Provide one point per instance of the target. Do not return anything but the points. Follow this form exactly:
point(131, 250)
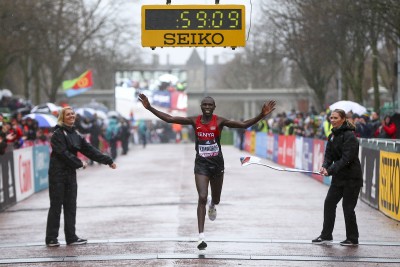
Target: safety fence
point(380, 161)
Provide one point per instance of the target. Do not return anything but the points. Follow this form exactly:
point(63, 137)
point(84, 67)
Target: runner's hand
point(145, 101)
point(268, 107)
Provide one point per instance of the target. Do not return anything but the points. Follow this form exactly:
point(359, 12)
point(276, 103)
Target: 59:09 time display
point(193, 19)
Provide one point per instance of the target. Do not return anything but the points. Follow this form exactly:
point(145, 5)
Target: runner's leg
point(202, 190)
point(216, 187)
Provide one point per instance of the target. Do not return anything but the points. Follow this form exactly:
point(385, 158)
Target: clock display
point(193, 26)
point(193, 19)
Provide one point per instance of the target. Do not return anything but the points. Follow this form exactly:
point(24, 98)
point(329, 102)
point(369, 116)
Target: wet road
point(144, 214)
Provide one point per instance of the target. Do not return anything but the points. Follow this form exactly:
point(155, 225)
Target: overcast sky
point(179, 55)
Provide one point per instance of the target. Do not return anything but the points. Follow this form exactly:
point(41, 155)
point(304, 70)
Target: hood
point(345, 127)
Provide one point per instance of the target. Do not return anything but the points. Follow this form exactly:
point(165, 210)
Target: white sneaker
point(212, 211)
point(201, 244)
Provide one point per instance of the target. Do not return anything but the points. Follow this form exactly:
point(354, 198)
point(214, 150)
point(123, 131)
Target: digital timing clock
point(193, 25)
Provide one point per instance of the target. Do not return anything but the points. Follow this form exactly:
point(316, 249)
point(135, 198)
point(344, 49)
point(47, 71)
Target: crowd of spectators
point(317, 125)
point(18, 132)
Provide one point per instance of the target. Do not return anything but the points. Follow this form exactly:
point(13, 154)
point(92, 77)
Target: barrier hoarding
point(275, 154)
point(7, 180)
point(23, 169)
point(307, 159)
point(287, 150)
point(370, 164)
point(299, 154)
point(261, 145)
point(270, 146)
point(389, 184)
point(318, 157)
point(41, 160)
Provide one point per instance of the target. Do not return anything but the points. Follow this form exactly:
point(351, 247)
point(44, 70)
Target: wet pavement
point(144, 214)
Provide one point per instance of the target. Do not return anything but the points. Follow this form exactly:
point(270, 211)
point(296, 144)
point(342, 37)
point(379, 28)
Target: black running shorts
point(209, 166)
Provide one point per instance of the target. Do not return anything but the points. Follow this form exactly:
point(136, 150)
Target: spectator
point(363, 130)
point(125, 133)
point(374, 123)
point(30, 129)
point(142, 128)
point(327, 126)
point(16, 134)
point(387, 129)
point(112, 136)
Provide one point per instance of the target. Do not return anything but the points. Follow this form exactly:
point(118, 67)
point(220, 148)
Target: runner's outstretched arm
point(162, 115)
point(267, 108)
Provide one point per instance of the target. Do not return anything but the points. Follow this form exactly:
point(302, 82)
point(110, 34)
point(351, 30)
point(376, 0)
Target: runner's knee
point(203, 199)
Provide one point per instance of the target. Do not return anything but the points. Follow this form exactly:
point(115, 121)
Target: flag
point(79, 85)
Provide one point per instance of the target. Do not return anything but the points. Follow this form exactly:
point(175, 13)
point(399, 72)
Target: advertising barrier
point(318, 157)
point(306, 156)
point(261, 148)
point(271, 146)
point(7, 184)
point(370, 164)
point(389, 184)
point(23, 170)
point(298, 159)
point(41, 159)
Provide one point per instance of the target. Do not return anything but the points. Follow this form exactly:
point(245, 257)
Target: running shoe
point(319, 241)
point(349, 243)
point(53, 243)
point(78, 241)
point(201, 244)
point(212, 211)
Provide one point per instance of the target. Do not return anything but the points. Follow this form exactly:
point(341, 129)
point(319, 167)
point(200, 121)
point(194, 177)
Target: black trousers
point(350, 197)
point(62, 195)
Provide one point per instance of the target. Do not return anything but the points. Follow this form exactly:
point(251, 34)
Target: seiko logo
point(193, 38)
point(201, 134)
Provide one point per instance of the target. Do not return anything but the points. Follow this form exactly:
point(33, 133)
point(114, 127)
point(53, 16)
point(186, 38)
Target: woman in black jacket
point(66, 142)
point(341, 161)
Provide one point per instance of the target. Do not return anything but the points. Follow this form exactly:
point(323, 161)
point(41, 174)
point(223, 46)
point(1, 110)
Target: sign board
point(193, 26)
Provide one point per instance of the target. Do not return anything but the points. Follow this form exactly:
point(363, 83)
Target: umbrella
point(101, 114)
point(47, 108)
point(44, 120)
point(168, 78)
point(348, 106)
point(113, 113)
point(86, 112)
point(97, 106)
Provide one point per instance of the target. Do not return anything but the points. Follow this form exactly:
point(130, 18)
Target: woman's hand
point(113, 166)
point(145, 101)
point(268, 107)
point(84, 163)
point(323, 171)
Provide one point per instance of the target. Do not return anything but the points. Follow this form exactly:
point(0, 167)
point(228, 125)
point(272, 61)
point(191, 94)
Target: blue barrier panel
point(276, 150)
point(299, 153)
point(41, 160)
point(7, 180)
point(307, 159)
point(261, 145)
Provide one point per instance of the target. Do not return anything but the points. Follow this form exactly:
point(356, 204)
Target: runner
point(209, 162)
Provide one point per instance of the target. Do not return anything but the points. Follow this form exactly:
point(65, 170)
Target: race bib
point(208, 150)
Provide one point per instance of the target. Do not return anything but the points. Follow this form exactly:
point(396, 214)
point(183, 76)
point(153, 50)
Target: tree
point(55, 40)
point(301, 31)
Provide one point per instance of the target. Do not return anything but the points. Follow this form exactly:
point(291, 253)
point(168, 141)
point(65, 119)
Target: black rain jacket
point(341, 157)
point(65, 143)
